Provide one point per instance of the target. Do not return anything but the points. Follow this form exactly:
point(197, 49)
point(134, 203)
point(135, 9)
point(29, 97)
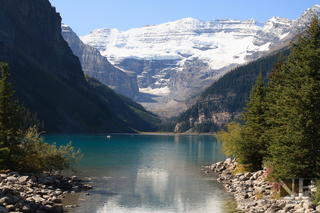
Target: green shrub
point(38, 156)
point(316, 195)
point(230, 139)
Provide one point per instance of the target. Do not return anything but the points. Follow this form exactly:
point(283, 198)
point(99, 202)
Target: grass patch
point(240, 168)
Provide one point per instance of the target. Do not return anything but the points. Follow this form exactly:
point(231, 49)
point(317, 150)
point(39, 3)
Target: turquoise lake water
point(134, 173)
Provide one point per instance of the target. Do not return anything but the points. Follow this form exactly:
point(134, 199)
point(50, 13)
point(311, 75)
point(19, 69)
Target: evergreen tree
point(10, 114)
point(253, 146)
point(295, 117)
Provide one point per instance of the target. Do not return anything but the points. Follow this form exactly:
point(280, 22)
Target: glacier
point(213, 41)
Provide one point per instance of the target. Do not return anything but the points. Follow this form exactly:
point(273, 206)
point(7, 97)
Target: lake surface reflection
point(148, 173)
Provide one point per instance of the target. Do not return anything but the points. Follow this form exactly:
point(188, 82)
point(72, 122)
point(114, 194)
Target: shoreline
point(255, 195)
point(172, 133)
point(37, 192)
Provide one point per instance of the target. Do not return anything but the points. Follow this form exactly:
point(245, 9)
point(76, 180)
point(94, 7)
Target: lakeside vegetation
point(23, 149)
point(282, 117)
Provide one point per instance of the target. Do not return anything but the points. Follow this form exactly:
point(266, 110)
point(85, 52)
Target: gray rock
point(242, 178)
point(47, 208)
point(10, 208)
point(288, 207)
point(34, 178)
point(12, 179)
point(23, 179)
point(262, 202)
point(220, 169)
point(228, 161)
point(219, 163)
point(8, 190)
point(299, 206)
point(3, 210)
point(38, 199)
point(6, 199)
point(273, 209)
point(213, 166)
point(3, 176)
point(226, 172)
point(288, 198)
point(308, 205)
point(257, 210)
point(19, 205)
point(56, 200)
point(65, 185)
point(16, 198)
point(248, 174)
point(26, 208)
point(309, 211)
point(57, 208)
point(256, 183)
point(259, 190)
point(247, 202)
point(299, 211)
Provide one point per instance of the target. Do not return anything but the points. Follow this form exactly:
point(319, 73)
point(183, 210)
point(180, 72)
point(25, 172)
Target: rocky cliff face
point(32, 29)
point(97, 66)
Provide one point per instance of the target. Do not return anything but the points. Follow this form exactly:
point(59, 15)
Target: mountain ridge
point(176, 60)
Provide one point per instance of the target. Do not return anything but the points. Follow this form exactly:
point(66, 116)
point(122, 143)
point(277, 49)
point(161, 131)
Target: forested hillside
point(131, 113)
point(225, 98)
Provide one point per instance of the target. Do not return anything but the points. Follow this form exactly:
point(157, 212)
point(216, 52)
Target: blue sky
point(83, 16)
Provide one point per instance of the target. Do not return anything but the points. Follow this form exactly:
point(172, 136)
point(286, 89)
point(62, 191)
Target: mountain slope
point(48, 77)
point(134, 115)
point(99, 67)
point(226, 98)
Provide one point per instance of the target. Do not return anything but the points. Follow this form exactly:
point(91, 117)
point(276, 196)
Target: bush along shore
point(255, 194)
point(36, 192)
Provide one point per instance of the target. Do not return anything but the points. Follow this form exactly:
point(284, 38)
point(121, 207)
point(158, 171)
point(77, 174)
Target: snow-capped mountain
point(183, 39)
point(277, 30)
point(177, 59)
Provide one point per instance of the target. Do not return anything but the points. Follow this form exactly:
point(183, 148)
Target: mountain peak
point(315, 7)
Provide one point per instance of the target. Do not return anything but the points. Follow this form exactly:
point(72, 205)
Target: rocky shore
point(38, 193)
point(254, 194)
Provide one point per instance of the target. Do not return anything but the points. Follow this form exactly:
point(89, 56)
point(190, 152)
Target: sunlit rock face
point(98, 66)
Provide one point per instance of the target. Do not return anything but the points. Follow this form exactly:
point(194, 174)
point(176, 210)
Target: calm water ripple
point(148, 173)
